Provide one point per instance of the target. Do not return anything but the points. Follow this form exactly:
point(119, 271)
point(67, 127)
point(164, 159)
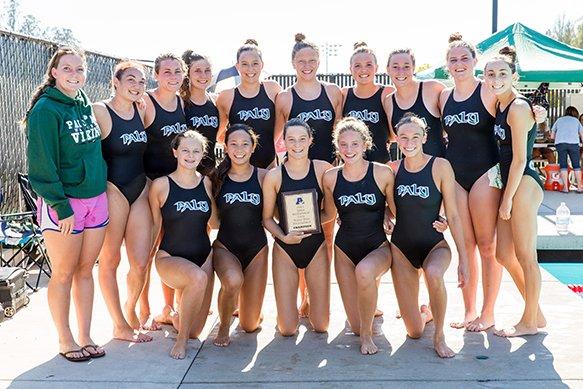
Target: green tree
point(567, 32)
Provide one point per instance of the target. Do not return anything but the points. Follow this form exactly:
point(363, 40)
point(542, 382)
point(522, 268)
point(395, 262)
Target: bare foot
point(179, 349)
point(541, 321)
point(481, 323)
point(165, 316)
point(378, 313)
point(304, 309)
point(131, 317)
point(442, 349)
point(367, 346)
point(518, 330)
point(130, 335)
point(426, 313)
point(149, 324)
point(222, 339)
point(468, 318)
point(175, 320)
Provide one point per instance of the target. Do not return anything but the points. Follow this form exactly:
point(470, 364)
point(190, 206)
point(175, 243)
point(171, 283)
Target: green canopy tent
point(539, 58)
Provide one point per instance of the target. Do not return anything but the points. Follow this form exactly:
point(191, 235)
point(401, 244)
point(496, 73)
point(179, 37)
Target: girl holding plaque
point(422, 184)
point(240, 250)
point(359, 191)
point(182, 209)
point(293, 188)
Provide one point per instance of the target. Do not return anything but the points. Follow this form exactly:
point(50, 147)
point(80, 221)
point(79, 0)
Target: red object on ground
point(553, 181)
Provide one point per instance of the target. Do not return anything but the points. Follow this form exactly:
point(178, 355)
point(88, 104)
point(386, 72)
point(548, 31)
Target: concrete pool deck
point(553, 358)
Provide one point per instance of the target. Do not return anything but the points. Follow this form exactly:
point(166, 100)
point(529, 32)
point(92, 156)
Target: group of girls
point(140, 167)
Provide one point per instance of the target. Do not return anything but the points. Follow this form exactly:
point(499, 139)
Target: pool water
point(567, 273)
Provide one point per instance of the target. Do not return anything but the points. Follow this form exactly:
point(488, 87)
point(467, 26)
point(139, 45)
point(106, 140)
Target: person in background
point(567, 132)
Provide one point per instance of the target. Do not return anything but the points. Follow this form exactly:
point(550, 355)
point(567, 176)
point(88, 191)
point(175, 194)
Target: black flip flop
point(82, 358)
point(94, 354)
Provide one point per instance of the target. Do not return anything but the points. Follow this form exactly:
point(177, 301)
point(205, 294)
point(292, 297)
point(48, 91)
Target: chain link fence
point(24, 61)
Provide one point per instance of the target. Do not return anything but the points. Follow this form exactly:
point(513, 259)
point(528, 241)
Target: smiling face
point(239, 147)
point(410, 137)
point(70, 74)
point(249, 66)
point(132, 84)
point(189, 153)
point(498, 76)
point(305, 63)
point(351, 146)
point(170, 75)
point(363, 68)
point(297, 142)
point(461, 63)
point(401, 68)
point(200, 74)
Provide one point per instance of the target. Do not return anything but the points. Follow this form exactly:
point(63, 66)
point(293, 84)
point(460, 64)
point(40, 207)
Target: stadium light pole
point(330, 50)
point(494, 16)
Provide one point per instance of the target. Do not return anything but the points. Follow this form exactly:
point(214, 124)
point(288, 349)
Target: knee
point(364, 275)
point(503, 259)
point(140, 267)
point(62, 276)
point(287, 330)
point(197, 278)
point(232, 282)
point(415, 333)
point(249, 326)
point(85, 270)
point(434, 275)
point(320, 325)
point(487, 247)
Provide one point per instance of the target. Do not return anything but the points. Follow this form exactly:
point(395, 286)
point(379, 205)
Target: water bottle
point(562, 219)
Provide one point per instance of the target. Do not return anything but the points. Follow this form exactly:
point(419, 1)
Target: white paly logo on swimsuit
point(206, 120)
point(255, 113)
point(413, 190)
point(463, 117)
point(365, 115)
point(358, 198)
point(500, 132)
point(317, 114)
point(192, 205)
point(134, 137)
point(243, 197)
point(173, 129)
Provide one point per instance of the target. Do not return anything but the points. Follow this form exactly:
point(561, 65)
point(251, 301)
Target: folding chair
point(20, 234)
point(27, 194)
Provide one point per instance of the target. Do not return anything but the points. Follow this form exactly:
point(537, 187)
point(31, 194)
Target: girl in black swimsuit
point(240, 250)
point(421, 183)
point(359, 191)
point(294, 251)
point(123, 146)
point(182, 203)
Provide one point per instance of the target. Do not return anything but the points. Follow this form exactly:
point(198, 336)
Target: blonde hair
point(411, 118)
point(352, 124)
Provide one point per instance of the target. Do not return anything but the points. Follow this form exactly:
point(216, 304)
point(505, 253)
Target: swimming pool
point(570, 274)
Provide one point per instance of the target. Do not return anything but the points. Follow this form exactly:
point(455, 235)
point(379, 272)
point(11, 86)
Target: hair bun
point(186, 55)
point(456, 36)
point(300, 37)
point(509, 51)
point(359, 44)
point(251, 42)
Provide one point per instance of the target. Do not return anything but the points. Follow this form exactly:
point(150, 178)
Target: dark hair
point(167, 56)
point(190, 134)
point(121, 67)
point(407, 51)
point(249, 45)
point(456, 40)
point(189, 57)
point(362, 47)
point(508, 55)
point(220, 173)
point(410, 117)
point(301, 43)
point(293, 122)
point(48, 79)
point(571, 111)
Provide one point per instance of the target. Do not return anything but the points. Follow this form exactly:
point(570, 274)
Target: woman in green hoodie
point(67, 171)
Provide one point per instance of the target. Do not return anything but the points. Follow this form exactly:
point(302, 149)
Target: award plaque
point(301, 212)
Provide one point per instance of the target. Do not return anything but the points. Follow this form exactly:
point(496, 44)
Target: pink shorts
point(89, 213)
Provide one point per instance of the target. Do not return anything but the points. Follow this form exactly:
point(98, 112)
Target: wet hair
point(456, 40)
point(301, 43)
point(411, 118)
point(249, 45)
point(167, 56)
point(571, 111)
point(407, 51)
point(508, 55)
point(190, 134)
point(48, 79)
point(352, 124)
point(221, 172)
point(122, 67)
point(297, 122)
point(189, 57)
point(360, 48)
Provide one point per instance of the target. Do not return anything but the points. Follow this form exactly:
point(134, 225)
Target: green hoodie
point(64, 150)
